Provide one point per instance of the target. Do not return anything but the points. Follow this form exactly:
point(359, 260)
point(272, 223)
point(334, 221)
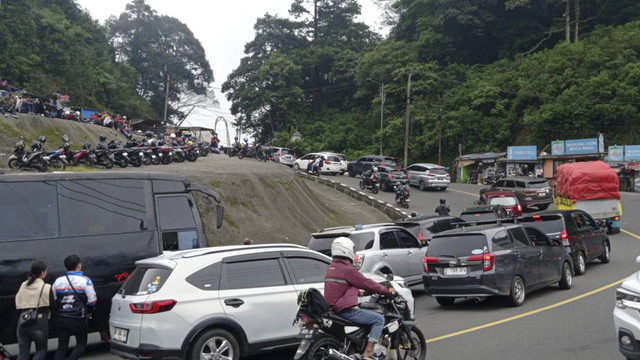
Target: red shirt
point(343, 282)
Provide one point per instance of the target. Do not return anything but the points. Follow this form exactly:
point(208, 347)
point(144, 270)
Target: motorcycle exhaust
point(336, 355)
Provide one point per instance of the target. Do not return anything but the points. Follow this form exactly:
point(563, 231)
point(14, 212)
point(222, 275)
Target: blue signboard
point(631, 152)
point(522, 152)
point(615, 153)
point(557, 147)
point(581, 146)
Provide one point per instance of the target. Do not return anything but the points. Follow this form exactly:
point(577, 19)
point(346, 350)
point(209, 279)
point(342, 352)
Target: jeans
point(39, 334)
point(366, 317)
point(5, 110)
point(67, 327)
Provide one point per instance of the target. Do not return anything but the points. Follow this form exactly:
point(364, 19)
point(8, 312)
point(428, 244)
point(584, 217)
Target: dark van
point(109, 219)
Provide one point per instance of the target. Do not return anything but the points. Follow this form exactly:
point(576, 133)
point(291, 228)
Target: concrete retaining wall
point(386, 208)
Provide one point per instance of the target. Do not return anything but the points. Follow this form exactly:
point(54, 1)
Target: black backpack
point(312, 304)
point(320, 164)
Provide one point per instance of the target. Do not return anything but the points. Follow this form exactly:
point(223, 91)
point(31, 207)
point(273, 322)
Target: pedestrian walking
point(32, 301)
point(75, 299)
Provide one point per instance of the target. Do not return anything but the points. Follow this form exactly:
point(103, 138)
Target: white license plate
point(120, 335)
point(159, 154)
point(306, 333)
point(141, 153)
point(124, 154)
point(455, 271)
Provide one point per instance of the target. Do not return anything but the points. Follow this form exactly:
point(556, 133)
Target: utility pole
point(407, 116)
point(166, 100)
point(440, 137)
point(381, 109)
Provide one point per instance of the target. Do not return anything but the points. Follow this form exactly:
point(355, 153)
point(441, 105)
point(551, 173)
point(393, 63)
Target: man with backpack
point(343, 284)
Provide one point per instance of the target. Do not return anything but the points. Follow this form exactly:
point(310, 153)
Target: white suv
point(213, 303)
point(626, 316)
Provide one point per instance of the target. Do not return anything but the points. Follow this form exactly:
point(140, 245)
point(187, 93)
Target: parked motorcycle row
point(244, 150)
point(135, 152)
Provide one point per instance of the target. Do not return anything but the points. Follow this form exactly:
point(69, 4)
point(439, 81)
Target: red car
point(507, 199)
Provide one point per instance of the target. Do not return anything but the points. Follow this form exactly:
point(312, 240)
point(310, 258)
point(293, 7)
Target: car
point(111, 219)
point(283, 155)
point(508, 260)
point(583, 238)
point(332, 163)
point(482, 214)
point(428, 176)
point(626, 316)
point(424, 227)
point(218, 303)
point(386, 247)
point(390, 177)
point(530, 191)
point(507, 199)
point(365, 163)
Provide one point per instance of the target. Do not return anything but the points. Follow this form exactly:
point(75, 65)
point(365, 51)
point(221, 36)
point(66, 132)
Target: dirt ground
point(264, 202)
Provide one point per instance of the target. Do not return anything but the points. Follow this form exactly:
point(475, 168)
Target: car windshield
point(548, 224)
point(506, 201)
point(455, 245)
point(478, 216)
point(538, 184)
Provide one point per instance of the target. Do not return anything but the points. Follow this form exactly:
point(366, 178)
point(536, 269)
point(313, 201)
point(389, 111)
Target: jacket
point(27, 296)
point(343, 282)
point(67, 303)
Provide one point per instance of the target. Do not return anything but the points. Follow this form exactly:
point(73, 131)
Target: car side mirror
point(220, 215)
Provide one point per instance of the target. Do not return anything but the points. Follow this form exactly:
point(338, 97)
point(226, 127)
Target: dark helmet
point(65, 138)
point(148, 134)
point(129, 136)
point(102, 137)
point(42, 139)
point(443, 201)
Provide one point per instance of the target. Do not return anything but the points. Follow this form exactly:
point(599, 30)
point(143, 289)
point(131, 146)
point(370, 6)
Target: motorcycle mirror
point(65, 138)
point(220, 215)
point(206, 200)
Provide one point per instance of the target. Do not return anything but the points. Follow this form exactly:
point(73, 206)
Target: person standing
point(75, 300)
point(34, 294)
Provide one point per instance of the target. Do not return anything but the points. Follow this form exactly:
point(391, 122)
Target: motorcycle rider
point(443, 209)
point(402, 192)
point(315, 164)
point(344, 283)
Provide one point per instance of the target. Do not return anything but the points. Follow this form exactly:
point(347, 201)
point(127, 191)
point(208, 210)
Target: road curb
point(386, 208)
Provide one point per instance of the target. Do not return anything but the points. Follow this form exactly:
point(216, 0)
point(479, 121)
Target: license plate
point(159, 154)
point(141, 153)
point(120, 335)
point(306, 333)
point(455, 271)
point(124, 154)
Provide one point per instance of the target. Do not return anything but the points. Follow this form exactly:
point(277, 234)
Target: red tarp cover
point(589, 180)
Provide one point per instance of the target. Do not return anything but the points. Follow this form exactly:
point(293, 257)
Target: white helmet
point(343, 247)
point(374, 168)
point(173, 136)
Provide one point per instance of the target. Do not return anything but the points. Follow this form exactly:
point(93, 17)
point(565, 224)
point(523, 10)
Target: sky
point(223, 28)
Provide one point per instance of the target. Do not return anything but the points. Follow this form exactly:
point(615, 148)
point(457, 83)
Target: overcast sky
point(223, 28)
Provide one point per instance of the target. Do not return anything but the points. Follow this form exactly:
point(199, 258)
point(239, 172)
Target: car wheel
point(445, 301)
point(567, 277)
point(443, 189)
point(351, 173)
point(296, 167)
point(518, 292)
point(341, 172)
point(215, 344)
point(581, 264)
point(543, 207)
point(606, 256)
point(321, 346)
point(421, 185)
point(384, 187)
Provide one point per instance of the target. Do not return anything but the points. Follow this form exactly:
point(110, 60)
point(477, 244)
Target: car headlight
point(627, 299)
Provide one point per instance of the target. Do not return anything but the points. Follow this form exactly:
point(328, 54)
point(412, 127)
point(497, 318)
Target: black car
point(366, 162)
point(583, 238)
point(390, 177)
point(484, 214)
point(494, 260)
point(530, 191)
point(424, 227)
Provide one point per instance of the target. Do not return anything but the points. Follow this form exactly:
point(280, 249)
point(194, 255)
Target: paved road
point(552, 324)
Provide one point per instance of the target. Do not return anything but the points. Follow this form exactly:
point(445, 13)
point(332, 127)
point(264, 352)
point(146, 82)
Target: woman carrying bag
point(32, 301)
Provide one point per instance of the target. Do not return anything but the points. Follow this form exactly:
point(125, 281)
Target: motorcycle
point(57, 159)
point(121, 155)
point(20, 159)
point(328, 336)
point(492, 179)
point(84, 156)
point(368, 183)
point(402, 195)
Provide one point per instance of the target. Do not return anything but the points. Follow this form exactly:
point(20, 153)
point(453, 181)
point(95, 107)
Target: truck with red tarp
point(591, 186)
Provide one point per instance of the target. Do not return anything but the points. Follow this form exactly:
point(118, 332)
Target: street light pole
point(381, 109)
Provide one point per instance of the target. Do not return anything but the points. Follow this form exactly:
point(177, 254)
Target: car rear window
point(538, 184)
point(438, 171)
point(333, 158)
point(362, 241)
point(457, 245)
point(145, 280)
point(546, 223)
point(506, 201)
point(478, 216)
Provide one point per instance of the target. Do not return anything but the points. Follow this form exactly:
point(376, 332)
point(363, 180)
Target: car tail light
point(281, 154)
point(564, 236)
point(519, 207)
point(390, 176)
point(429, 260)
point(420, 235)
point(358, 261)
point(530, 191)
point(327, 162)
point(295, 156)
point(152, 307)
point(408, 176)
point(488, 259)
point(430, 174)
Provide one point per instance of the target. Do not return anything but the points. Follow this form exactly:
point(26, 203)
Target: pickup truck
point(590, 186)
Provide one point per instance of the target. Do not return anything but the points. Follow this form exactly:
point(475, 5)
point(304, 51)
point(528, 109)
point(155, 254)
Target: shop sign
point(557, 147)
point(581, 146)
point(616, 153)
point(522, 152)
point(631, 152)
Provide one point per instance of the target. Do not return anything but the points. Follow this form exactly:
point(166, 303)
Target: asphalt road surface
point(552, 324)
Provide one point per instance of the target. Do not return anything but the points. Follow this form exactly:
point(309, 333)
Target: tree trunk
point(577, 11)
point(567, 21)
point(406, 126)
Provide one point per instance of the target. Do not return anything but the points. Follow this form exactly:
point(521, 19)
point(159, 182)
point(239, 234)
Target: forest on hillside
point(475, 75)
